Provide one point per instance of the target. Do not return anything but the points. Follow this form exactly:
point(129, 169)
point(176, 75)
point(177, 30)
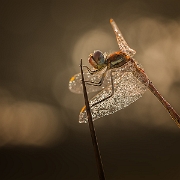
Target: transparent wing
point(75, 83)
point(123, 46)
point(128, 87)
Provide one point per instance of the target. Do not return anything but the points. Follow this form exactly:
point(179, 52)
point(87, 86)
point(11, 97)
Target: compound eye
point(98, 57)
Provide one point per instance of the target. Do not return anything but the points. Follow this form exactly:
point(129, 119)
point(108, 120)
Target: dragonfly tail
point(166, 105)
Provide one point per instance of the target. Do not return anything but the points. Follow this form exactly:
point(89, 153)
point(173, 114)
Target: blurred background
point(41, 44)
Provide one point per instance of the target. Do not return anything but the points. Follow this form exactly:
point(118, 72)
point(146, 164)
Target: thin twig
point(92, 131)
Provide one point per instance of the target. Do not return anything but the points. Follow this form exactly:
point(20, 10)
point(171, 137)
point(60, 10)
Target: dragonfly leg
point(96, 83)
point(89, 70)
point(112, 93)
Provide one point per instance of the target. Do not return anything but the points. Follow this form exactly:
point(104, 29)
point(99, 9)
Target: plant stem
point(92, 131)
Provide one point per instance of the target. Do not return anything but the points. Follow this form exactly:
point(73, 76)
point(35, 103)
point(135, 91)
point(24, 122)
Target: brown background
point(41, 44)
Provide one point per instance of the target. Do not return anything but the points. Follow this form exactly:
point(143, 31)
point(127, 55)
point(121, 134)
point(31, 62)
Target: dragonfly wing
point(123, 46)
point(75, 83)
point(127, 89)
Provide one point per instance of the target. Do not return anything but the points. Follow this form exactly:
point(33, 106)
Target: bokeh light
point(29, 123)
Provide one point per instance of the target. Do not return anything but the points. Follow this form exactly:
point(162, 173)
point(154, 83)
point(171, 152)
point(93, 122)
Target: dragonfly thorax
point(97, 60)
point(117, 59)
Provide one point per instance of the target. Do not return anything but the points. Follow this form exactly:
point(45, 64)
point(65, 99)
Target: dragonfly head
point(97, 60)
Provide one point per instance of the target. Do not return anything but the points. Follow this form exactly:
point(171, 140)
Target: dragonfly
point(119, 79)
